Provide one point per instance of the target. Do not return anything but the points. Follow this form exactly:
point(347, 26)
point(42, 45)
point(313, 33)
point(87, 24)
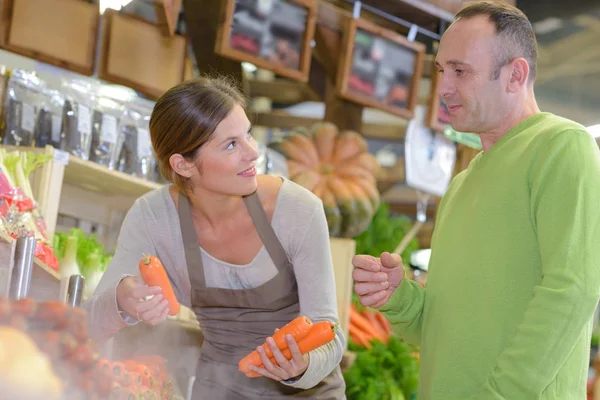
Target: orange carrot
point(383, 321)
point(359, 336)
point(320, 334)
point(298, 328)
point(371, 317)
point(154, 274)
point(363, 324)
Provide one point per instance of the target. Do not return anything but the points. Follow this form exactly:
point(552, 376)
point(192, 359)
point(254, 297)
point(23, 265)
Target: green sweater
point(514, 274)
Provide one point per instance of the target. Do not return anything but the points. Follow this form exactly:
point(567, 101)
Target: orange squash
point(337, 167)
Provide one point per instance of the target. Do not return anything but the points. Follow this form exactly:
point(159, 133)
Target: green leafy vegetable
point(386, 372)
point(91, 255)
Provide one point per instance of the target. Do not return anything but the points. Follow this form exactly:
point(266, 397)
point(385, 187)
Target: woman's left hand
point(286, 369)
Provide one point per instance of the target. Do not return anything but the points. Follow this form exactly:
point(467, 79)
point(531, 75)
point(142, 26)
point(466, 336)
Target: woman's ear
point(181, 166)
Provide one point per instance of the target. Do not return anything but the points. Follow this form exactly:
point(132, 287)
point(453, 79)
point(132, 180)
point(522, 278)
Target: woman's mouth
point(453, 108)
point(248, 173)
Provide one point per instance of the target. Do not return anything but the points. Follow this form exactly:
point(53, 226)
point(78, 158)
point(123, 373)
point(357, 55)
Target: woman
point(247, 253)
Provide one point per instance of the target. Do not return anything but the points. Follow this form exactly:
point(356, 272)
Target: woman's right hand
point(131, 299)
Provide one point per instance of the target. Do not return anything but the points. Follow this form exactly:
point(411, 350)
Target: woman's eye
point(231, 145)
point(459, 71)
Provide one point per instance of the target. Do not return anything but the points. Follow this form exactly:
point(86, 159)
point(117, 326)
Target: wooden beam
point(167, 13)
point(202, 20)
point(282, 120)
point(282, 91)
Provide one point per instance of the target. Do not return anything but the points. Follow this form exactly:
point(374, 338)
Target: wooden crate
point(136, 54)
point(342, 251)
point(59, 32)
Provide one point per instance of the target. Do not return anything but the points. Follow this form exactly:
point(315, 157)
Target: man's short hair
point(513, 28)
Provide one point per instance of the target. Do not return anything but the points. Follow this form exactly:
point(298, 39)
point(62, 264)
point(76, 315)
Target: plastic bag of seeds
point(105, 133)
point(22, 96)
point(76, 133)
point(48, 128)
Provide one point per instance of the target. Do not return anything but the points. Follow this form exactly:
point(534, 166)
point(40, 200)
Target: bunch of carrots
point(307, 334)
point(367, 325)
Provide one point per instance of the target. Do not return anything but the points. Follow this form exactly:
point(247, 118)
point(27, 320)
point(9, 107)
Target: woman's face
point(226, 163)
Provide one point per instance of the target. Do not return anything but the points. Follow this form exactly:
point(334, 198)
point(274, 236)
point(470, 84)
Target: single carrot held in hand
point(154, 274)
point(298, 328)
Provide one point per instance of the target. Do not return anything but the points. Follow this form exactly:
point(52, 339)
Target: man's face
point(465, 62)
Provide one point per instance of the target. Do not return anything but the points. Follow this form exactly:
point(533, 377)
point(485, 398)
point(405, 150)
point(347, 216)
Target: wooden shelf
point(54, 274)
point(91, 176)
point(98, 178)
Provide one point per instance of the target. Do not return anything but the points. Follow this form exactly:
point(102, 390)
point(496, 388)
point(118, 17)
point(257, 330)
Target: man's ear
point(181, 166)
point(519, 74)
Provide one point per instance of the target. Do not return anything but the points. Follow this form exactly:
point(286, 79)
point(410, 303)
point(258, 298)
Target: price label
point(377, 49)
point(56, 128)
point(84, 120)
point(61, 157)
point(264, 6)
point(144, 145)
point(27, 118)
point(109, 129)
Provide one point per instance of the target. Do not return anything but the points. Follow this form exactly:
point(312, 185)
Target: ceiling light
point(114, 4)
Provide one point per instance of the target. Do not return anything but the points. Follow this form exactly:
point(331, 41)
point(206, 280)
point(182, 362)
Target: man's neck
point(527, 109)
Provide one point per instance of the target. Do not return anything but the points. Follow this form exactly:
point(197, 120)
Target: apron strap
point(265, 231)
point(193, 257)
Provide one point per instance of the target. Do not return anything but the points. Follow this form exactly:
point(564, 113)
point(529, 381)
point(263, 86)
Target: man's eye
point(459, 71)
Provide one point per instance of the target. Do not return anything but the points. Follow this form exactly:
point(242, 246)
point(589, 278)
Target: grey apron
point(235, 322)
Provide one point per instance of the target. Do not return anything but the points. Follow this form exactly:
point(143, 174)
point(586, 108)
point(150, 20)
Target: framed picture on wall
point(437, 115)
point(272, 34)
point(380, 68)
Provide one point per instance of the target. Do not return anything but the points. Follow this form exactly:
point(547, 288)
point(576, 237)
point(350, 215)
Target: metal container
point(22, 268)
point(75, 290)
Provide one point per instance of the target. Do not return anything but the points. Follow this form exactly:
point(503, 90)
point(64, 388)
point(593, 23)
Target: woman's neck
point(215, 209)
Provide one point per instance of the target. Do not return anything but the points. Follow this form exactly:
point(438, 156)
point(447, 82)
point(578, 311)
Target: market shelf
point(98, 178)
point(95, 177)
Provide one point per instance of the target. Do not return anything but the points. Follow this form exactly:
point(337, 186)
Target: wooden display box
point(58, 32)
point(342, 251)
point(275, 35)
point(136, 54)
point(437, 112)
point(379, 68)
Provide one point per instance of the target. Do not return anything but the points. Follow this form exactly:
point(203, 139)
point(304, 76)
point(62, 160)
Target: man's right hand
point(376, 279)
point(131, 298)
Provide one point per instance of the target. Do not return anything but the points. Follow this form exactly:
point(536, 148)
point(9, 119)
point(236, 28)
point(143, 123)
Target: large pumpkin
point(338, 168)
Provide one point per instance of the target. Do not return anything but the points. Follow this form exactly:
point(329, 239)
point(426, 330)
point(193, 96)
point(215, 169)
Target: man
point(514, 274)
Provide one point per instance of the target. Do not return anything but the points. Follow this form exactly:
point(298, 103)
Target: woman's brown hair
point(186, 116)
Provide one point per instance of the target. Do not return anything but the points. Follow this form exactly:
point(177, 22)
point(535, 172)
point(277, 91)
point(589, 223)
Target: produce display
point(307, 334)
point(337, 167)
point(367, 325)
point(385, 371)
point(81, 254)
point(52, 340)
point(19, 215)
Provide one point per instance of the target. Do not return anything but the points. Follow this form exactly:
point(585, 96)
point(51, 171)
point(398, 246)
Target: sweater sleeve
point(313, 268)
point(405, 307)
point(104, 317)
point(565, 194)
point(404, 310)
